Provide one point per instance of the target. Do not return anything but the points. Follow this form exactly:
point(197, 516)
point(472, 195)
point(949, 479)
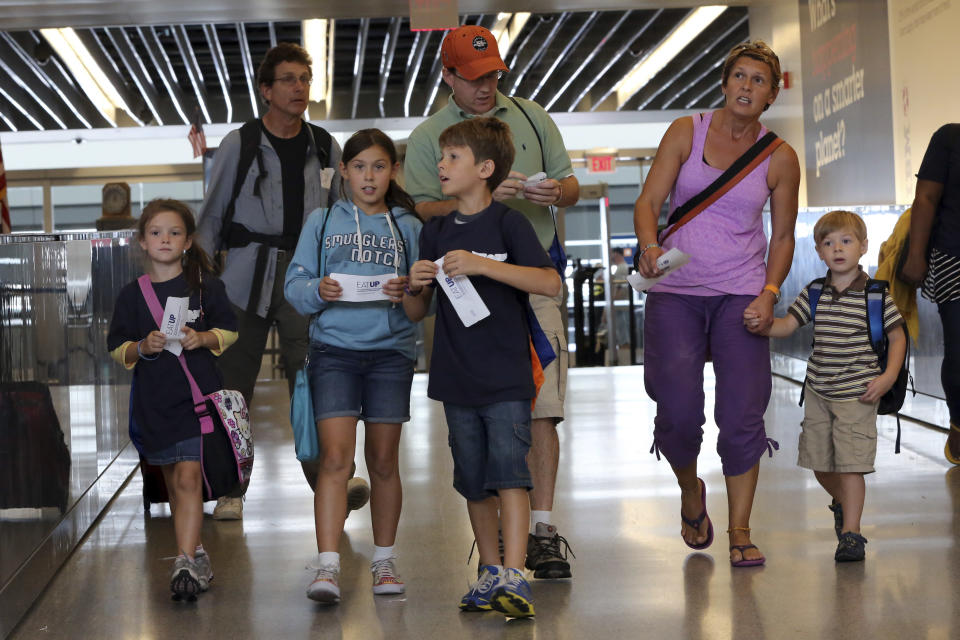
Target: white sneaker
point(228, 509)
point(325, 587)
point(385, 578)
point(358, 493)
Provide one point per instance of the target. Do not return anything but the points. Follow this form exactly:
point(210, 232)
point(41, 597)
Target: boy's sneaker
point(385, 578)
point(228, 509)
point(185, 579)
point(358, 493)
point(543, 553)
point(325, 587)
point(513, 597)
point(478, 598)
point(837, 509)
point(204, 569)
point(851, 547)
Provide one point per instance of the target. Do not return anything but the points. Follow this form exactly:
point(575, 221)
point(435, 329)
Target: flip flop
point(946, 448)
point(696, 522)
point(743, 562)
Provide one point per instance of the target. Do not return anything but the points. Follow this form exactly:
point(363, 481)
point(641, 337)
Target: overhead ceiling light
point(318, 40)
point(88, 73)
point(654, 62)
point(506, 29)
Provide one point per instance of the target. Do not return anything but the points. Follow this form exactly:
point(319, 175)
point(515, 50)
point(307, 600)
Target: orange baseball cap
point(472, 51)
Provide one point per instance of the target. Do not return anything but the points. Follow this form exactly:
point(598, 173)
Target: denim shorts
point(371, 385)
point(489, 446)
point(184, 451)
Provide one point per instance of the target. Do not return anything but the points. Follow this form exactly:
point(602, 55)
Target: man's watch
point(775, 290)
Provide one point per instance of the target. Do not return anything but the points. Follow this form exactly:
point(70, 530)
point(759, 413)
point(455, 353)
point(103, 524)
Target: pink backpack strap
point(199, 402)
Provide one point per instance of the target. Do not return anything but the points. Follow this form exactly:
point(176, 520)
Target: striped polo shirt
point(842, 362)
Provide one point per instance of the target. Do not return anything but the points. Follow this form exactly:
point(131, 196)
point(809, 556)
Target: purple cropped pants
point(678, 329)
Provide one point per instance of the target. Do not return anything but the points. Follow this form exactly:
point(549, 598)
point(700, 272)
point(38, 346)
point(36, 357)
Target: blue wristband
point(141, 354)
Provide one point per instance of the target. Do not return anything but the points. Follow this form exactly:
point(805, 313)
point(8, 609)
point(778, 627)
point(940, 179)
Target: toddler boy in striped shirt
point(844, 384)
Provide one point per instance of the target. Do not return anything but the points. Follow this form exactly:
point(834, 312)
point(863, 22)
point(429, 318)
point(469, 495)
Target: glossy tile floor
point(617, 505)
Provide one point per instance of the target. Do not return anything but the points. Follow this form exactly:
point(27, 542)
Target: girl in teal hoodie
point(348, 272)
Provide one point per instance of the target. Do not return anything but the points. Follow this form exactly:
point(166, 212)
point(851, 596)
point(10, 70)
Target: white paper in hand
point(362, 288)
point(174, 317)
point(463, 296)
point(669, 261)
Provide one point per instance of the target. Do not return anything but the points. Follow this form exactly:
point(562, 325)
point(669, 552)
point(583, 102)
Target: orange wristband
point(774, 289)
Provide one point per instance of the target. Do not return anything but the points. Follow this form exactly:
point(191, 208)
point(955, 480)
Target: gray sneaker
point(185, 579)
point(204, 569)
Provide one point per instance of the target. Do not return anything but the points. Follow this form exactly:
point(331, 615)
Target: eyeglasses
point(482, 80)
point(291, 80)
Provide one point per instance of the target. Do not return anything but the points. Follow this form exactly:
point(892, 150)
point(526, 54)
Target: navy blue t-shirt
point(941, 163)
point(489, 361)
point(162, 403)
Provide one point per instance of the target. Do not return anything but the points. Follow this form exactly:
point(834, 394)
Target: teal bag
point(301, 419)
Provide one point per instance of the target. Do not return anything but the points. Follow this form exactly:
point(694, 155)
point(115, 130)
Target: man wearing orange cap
point(472, 67)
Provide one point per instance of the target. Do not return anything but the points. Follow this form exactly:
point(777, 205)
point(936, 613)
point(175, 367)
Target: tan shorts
point(551, 314)
point(838, 436)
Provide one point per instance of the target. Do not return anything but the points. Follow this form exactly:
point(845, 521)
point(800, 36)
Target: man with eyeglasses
point(254, 213)
point(472, 67)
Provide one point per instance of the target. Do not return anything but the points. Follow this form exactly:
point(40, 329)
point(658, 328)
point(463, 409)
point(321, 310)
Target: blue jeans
point(371, 385)
point(184, 451)
point(489, 446)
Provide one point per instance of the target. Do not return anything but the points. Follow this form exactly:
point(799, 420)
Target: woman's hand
point(393, 288)
point(914, 269)
point(330, 290)
point(153, 343)
point(648, 263)
point(760, 313)
point(192, 339)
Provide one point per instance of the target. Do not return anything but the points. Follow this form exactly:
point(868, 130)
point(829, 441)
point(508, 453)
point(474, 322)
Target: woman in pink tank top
point(701, 307)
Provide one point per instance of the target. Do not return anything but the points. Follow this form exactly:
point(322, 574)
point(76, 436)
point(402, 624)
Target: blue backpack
point(874, 294)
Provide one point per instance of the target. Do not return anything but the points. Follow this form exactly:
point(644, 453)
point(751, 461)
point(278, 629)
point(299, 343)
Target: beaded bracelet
point(141, 354)
point(409, 291)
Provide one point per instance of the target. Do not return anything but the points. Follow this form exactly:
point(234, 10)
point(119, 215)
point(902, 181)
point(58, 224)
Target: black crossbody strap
point(741, 167)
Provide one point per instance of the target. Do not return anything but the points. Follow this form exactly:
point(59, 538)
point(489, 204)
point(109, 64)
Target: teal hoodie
point(361, 326)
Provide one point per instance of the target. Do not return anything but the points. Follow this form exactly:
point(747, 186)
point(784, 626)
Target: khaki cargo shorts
point(551, 314)
point(838, 436)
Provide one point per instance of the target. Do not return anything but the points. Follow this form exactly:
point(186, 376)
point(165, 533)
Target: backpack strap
point(874, 293)
point(250, 135)
point(814, 289)
point(249, 149)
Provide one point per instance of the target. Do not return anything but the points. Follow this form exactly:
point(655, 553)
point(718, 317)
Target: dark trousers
point(950, 369)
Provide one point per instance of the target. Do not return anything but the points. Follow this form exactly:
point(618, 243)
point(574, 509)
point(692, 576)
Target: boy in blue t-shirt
point(482, 372)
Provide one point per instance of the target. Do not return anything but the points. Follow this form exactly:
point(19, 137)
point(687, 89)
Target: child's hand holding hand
point(751, 319)
point(463, 263)
point(422, 273)
point(329, 289)
point(153, 343)
point(393, 288)
point(879, 386)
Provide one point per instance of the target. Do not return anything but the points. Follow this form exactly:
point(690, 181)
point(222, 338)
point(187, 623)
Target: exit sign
point(601, 164)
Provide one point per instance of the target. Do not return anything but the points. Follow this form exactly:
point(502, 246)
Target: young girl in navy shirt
point(164, 426)
point(361, 347)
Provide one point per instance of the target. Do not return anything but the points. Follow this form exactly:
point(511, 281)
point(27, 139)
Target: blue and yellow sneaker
point(513, 597)
point(478, 598)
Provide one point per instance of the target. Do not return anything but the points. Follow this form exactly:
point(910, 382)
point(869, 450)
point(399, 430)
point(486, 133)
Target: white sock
point(538, 516)
point(198, 550)
point(382, 553)
point(328, 558)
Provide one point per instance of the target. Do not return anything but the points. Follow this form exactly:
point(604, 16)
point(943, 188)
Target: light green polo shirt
point(423, 153)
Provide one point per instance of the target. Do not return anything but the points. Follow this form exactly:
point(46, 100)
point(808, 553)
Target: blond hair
point(839, 221)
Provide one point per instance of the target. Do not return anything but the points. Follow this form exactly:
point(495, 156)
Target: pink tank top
point(726, 242)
